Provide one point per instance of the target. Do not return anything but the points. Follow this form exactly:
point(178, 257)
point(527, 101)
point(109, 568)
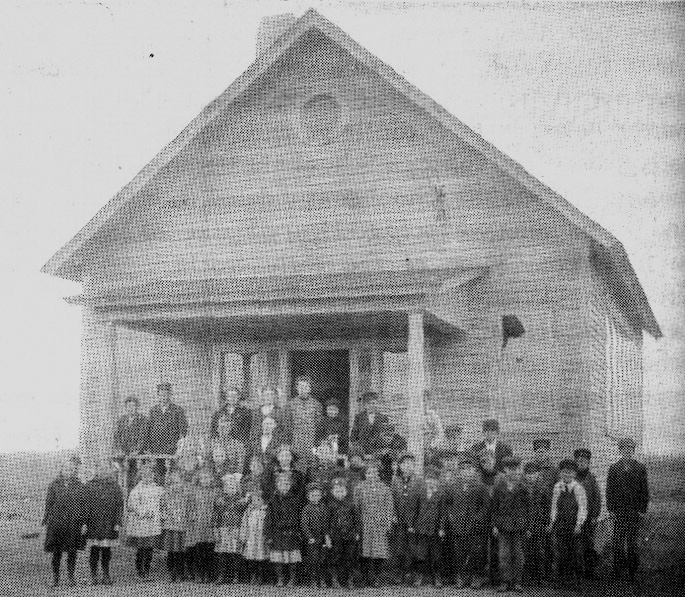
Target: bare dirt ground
point(25, 570)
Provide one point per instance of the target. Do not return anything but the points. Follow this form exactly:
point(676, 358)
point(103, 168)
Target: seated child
point(315, 523)
point(510, 520)
point(144, 522)
point(344, 535)
point(282, 528)
point(176, 515)
point(426, 528)
point(200, 536)
point(229, 510)
point(466, 504)
point(568, 514)
point(374, 503)
point(333, 428)
point(252, 537)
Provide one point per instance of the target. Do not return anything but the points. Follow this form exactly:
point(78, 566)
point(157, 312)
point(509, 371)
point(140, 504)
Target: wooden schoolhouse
point(323, 216)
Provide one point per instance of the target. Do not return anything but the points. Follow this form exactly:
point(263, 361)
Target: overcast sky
point(590, 98)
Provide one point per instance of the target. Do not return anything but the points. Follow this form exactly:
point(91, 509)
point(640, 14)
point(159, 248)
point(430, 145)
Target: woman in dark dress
point(64, 519)
point(104, 508)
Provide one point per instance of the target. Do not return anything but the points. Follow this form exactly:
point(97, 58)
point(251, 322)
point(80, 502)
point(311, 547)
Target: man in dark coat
point(230, 403)
point(587, 479)
point(368, 424)
point(129, 438)
point(627, 494)
point(167, 424)
point(64, 519)
point(492, 443)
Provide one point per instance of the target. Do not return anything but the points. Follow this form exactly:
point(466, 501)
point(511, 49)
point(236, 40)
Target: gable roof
point(65, 263)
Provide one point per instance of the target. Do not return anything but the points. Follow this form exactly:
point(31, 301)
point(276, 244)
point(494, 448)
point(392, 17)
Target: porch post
point(415, 407)
point(98, 390)
point(354, 383)
point(284, 374)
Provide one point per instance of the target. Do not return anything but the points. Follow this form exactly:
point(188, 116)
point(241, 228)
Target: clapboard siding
point(249, 196)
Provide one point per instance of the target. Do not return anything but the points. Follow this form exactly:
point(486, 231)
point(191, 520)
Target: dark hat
point(626, 442)
point(510, 461)
point(132, 399)
point(532, 467)
point(370, 397)
point(405, 456)
point(582, 453)
point(164, 386)
point(431, 472)
point(567, 465)
point(541, 443)
point(491, 425)
point(314, 486)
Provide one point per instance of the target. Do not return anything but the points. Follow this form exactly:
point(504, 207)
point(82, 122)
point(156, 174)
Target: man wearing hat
point(491, 443)
point(627, 493)
point(368, 423)
point(587, 479)
point(167, 424)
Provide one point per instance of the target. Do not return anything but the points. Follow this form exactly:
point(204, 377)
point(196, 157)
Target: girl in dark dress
point(64, 519)
point(104, 508)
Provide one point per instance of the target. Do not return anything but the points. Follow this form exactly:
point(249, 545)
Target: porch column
point(98, 402)
point(284, 374)
point(355, 387)
point(416, 382)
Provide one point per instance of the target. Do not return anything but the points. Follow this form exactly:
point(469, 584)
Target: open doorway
point(329, 371)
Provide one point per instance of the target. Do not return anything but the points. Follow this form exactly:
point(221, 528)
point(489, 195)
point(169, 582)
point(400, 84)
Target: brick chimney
point(271, 28)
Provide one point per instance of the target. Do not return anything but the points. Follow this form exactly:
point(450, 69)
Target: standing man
point(492, 444)
point(627, 493)
point(307, 415)
point(166, 426)
point(239, 415)
point(368, 425)
point(129, 438)
point(587, 479)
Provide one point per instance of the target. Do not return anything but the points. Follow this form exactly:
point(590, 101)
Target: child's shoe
point(335, 583)
point(107, 580)
point(459, 583)
point(502, 588)
point(437, 582)
point(518, 588)
point(418, 581)
point(94, 580)
point(477, 583)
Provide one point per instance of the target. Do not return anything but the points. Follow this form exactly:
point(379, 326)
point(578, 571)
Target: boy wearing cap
point(627, 494)
point(315, 527)
point(343, 531)
point(427, 529)
point(587, 479)
point(405, 486)
point(466, 502)
point(538, 547)
point(491, 443)
point(568, 514)
point(510, 520)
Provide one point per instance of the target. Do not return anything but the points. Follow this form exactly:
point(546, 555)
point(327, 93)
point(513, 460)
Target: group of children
point(467, 520)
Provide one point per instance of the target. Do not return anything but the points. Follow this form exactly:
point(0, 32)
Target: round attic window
point(320, 117)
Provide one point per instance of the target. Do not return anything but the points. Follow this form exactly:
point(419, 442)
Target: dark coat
point(103, 508)
point(627, 488)
point(510, 508)
point(540, 506)
point(502, 450)
point(333, 426)
point(282, 525)
point(130, 434)
point(594, 497)
point(343, 521)
point(64, 515)
point(364, 434)
point(283, 432)
point(241, 418)
point(165, 429)
point(466, 506)
point(428, 514)
point(315, 522)
point(404, 495)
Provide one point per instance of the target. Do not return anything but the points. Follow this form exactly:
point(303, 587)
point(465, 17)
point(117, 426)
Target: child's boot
point(437, 580)
point(335, 583)
point(418, 580)
point(280, 581)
